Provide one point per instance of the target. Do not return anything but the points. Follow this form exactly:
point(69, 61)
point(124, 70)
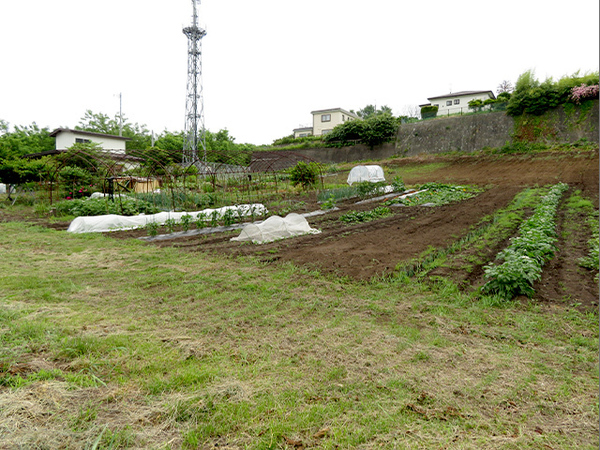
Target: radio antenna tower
point(194, 133)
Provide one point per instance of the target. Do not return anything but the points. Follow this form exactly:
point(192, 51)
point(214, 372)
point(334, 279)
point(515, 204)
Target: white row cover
point(114, 222)
point(365, 173)
point(274, 228)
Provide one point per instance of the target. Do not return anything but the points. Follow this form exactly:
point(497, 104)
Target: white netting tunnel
point(275, 228)
point(113, 222)
point(365, 173)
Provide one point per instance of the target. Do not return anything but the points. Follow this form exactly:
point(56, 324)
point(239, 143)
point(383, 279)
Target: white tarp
point(274, 228)
point(365, 173)
point(113, 222)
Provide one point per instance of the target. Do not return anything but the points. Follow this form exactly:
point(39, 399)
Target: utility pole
point(120, 114)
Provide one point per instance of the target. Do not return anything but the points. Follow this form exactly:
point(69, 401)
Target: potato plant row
point(528, 252)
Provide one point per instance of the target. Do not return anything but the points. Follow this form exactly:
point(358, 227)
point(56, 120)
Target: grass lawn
point(120, 344)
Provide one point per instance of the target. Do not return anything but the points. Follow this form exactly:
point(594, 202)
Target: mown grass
point(119, 344)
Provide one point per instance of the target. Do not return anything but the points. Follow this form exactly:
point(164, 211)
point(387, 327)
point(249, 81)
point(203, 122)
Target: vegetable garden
point(475, 222)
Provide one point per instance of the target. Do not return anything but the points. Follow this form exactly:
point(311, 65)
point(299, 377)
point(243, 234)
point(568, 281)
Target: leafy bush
point(430, 111)
point(125, 206)
point(398, 185)
point(503, 97)
point(305, 174)
point(346, 133)
point(375, 130)
point(532, 97)
point(528, 252)
point(329, 203)
point(379, 129)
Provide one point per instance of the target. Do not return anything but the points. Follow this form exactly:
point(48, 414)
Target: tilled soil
point(374, 249)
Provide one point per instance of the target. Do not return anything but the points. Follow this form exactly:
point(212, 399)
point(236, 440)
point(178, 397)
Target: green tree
point(371, 110)
point(24, 140)
point(19, 171)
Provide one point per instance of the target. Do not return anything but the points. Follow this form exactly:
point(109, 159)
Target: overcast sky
point(268, 63)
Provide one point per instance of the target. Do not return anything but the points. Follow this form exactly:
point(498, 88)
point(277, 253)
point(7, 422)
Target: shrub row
point(528, 252)
point(532, 97)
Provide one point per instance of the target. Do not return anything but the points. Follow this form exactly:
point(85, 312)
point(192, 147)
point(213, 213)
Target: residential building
point(457, 102)
point(66, 138)
point(303, 132)
point(324, 121)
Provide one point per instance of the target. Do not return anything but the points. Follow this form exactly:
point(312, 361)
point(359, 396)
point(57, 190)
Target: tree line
point(164, 149)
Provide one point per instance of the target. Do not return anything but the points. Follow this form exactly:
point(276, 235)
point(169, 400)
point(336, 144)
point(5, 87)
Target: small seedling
point(214, 218)
point(170, 224)
point(152, 228)
point(201, 220)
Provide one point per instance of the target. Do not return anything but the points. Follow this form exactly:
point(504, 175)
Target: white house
point(324, 120)
point(457, 102)
point(66, 138)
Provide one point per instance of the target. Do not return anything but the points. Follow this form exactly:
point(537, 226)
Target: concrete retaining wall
point(470, 133)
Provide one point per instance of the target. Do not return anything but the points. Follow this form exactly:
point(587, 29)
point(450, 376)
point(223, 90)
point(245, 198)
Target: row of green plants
point(528, 252)
point(366, 216)
point(203, 220)
point(437, 194)
point(487, 233)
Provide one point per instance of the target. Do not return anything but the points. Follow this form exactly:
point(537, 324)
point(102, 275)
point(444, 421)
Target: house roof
point(461, 94)
point(321, 111)
point(87, 133)
point(303, 129)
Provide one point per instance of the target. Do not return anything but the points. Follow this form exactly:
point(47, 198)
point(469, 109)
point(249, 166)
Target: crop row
point(528, 252)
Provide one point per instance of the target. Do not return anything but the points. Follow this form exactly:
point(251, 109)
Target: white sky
point(268, 63)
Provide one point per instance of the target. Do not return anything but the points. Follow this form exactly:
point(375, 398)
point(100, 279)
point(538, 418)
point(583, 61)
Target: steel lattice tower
point(194, 138)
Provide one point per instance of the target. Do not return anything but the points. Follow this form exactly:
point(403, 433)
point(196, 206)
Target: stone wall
point(454, 133)
point(470, 133)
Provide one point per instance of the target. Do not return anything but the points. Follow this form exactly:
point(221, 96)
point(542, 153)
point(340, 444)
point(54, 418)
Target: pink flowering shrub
point(584, 92)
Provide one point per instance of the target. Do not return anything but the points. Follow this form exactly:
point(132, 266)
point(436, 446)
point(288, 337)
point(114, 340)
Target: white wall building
point(66, 138)
point(457, 102)
point(324, 120)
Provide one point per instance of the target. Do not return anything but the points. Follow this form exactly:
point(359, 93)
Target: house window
point(437, 104)
point(303, 135)
point(325, 117)
point(457, 101)
point(324, 132)
point(449, 103)
point(82, 141)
